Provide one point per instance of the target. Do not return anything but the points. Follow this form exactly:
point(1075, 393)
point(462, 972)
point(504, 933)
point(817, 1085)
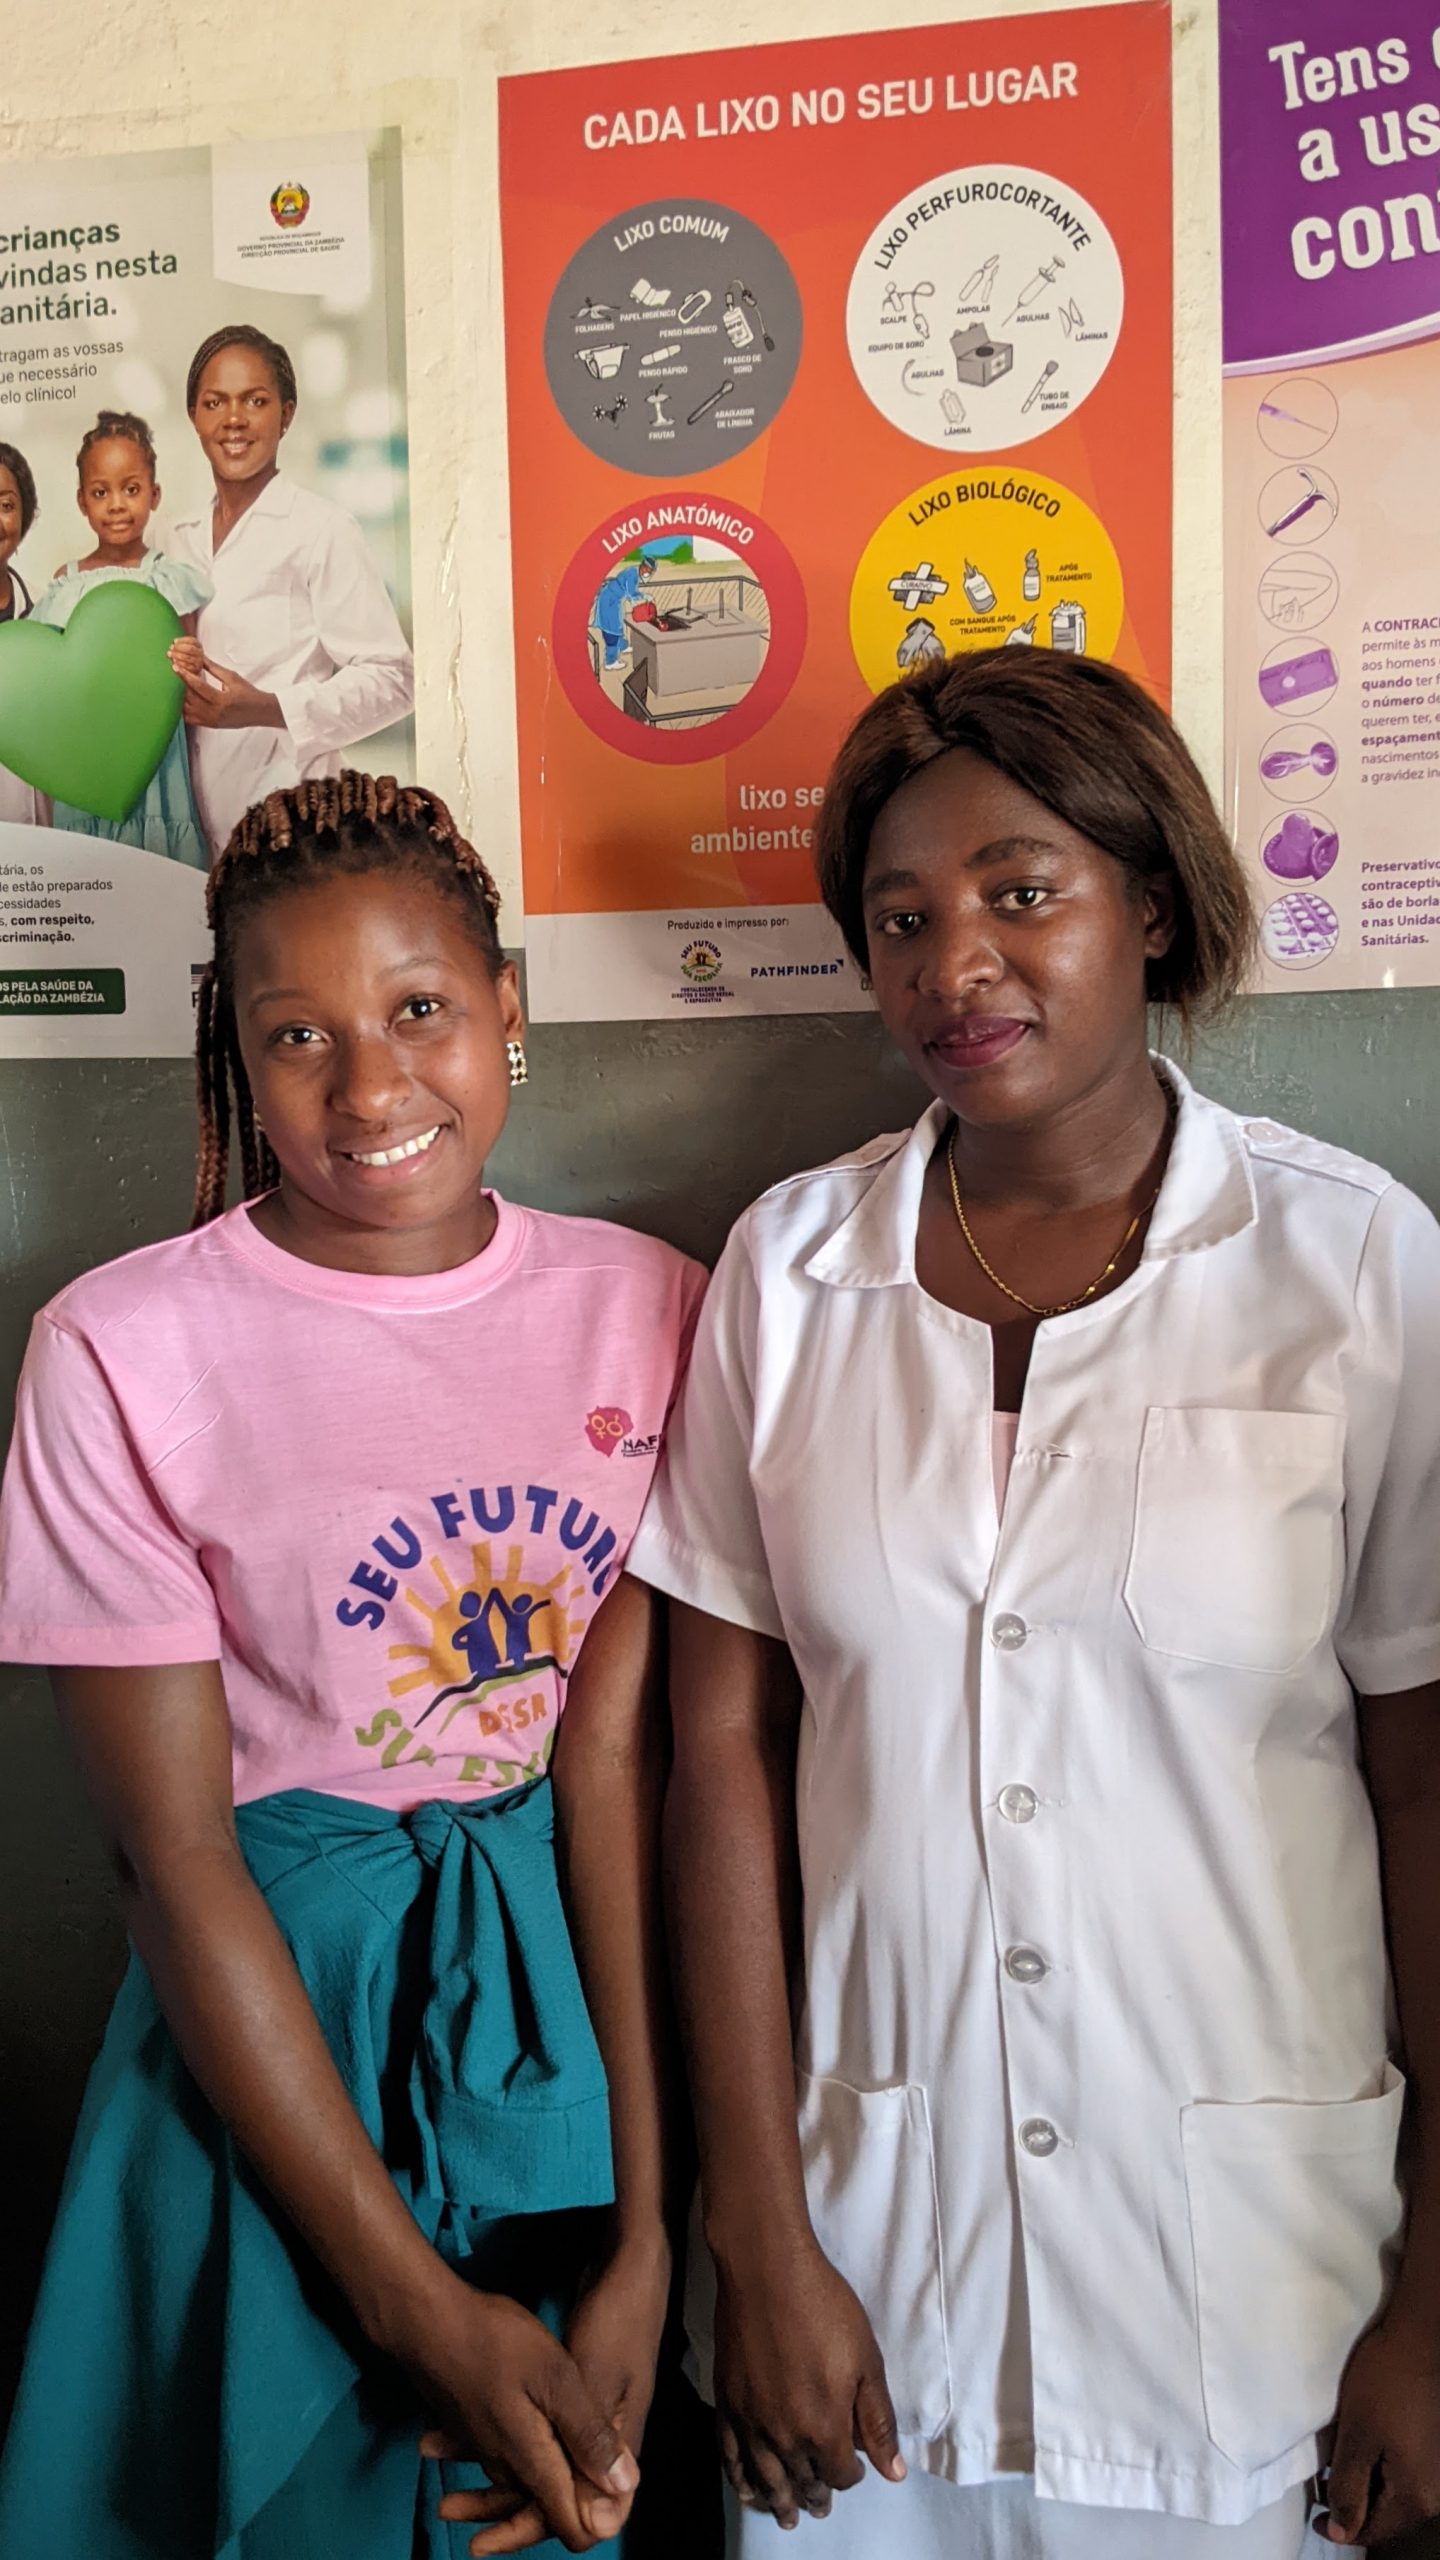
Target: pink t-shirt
point(388, 1507)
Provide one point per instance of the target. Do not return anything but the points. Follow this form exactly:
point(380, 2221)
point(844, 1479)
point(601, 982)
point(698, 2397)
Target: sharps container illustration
point(978, 357)
point(1068, 629)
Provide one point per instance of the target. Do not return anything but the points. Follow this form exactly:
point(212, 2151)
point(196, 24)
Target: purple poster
point(1330, 125)
point(1330, 144)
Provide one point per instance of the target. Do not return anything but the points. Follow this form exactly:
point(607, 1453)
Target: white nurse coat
point(300, 609)
point(1096, 2101)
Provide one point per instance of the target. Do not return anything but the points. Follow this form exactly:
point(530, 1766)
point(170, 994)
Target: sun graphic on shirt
point(546, 1613)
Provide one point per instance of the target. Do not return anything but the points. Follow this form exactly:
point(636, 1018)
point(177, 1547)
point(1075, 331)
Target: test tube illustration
point(1051, 368)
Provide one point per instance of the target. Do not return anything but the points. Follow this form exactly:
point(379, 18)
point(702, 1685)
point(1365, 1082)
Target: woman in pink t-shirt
point(318, 1515)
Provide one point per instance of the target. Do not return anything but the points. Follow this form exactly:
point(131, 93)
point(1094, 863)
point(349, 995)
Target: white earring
point(519, 1067)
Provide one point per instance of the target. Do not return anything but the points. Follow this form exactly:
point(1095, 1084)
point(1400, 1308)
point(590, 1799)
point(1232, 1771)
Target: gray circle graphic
point(673, 337)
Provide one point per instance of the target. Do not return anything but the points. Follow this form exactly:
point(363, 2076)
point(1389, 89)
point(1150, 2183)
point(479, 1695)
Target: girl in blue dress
point(118, 494)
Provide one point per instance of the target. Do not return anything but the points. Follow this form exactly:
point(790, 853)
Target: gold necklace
point(1068, 1305)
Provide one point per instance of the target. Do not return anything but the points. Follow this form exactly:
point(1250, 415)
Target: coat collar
point(277, 498)
point(1208, 1194)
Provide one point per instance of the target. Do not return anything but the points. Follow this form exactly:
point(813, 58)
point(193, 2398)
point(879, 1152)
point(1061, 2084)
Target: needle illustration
point(1272, 409)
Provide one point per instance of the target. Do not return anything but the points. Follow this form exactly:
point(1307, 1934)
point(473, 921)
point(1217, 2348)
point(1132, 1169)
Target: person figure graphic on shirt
point(476, 1638)
point(18, 510)
point(475, 1641)
point(517, 1614)
point(300, 655)
point(283, 2254)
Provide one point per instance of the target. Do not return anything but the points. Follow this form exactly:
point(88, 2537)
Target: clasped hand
point(1385, 2468)
point(800, 2386)
point(557, 2428)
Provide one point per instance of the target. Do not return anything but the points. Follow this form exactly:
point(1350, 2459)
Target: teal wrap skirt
point(194, 2388)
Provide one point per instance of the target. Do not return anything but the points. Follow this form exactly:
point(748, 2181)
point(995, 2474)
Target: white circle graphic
point(984, 308)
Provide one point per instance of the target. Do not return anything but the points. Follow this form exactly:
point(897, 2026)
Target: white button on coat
point(1039, 2137)
point(1223, 1519)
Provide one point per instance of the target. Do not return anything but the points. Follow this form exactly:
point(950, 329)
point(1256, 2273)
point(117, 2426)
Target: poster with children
point(204, 548)
point(825, 359)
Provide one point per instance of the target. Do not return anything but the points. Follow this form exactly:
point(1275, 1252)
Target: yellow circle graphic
point(982, 559)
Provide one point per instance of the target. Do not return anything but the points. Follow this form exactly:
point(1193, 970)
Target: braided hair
point(341, 827)
point(122, 423)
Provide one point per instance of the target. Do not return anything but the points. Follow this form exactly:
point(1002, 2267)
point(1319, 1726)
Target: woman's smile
point(977, 1040)
point(400, 1161)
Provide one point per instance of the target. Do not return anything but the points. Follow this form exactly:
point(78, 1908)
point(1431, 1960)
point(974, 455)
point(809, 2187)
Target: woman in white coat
point(1054, 1506)
point(300, 653)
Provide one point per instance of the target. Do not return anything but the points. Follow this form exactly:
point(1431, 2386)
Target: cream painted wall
point(154, 72)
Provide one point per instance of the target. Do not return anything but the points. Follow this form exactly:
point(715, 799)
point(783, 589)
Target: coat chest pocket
point(1294, 2211)
point(870, 2183)
point(1236, 1552)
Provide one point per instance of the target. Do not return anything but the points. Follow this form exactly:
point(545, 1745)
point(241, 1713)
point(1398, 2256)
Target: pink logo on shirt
point(606, 1427)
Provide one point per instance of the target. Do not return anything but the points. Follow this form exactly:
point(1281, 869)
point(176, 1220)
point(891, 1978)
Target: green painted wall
point(670, 1128)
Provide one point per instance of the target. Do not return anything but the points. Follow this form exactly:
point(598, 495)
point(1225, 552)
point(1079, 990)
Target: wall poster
point(204, 548)
point(824, 359)
point(1331, 143)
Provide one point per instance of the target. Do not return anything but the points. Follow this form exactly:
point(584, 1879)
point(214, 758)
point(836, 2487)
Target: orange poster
point(824, 359)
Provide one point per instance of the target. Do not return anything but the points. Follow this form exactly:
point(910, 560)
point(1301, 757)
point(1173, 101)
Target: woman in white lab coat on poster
point(300, 654)
point(1054, 1506)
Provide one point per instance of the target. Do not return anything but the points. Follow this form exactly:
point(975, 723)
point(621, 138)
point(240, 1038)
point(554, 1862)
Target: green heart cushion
point(87, 713)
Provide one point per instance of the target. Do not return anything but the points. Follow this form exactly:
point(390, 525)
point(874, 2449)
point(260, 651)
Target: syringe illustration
point(1039, 283)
